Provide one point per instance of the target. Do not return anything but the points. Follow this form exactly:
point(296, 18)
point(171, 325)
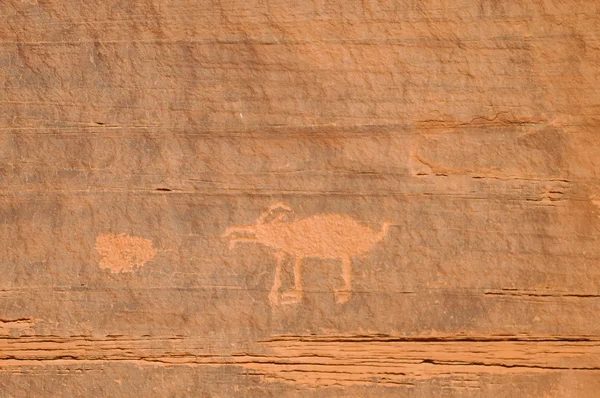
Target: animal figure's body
point(324, 236)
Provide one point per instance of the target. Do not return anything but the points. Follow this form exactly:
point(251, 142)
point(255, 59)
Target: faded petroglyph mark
point(123, 253)
point(21, 325)
point(323, 236)
point(416, 165)
point(595, 201)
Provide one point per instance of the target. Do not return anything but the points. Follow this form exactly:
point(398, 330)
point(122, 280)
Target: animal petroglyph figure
point(323, 236)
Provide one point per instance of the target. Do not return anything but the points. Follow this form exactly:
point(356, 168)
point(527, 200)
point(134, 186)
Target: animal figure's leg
point(274, 294)
point(298, 274)
point(295, 295)
point(342, 295)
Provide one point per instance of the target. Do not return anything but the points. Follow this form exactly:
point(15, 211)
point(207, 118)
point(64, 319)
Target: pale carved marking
point(323, 236)
point(123, 253)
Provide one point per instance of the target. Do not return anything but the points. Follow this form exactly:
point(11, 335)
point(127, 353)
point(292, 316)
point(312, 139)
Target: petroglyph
point(123, 253)
point(323, 236)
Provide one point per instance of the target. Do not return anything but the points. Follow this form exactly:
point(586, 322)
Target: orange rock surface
point(300, 199)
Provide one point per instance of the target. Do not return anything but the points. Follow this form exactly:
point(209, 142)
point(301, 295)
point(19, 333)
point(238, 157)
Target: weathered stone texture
point(135, 134)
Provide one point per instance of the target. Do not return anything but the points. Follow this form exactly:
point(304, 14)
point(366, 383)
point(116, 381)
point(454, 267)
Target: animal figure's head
point(278, 212)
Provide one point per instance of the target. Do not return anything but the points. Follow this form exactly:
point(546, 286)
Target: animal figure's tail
point(385, 228)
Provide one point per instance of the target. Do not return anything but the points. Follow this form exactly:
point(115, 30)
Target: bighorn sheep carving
point(323, 236)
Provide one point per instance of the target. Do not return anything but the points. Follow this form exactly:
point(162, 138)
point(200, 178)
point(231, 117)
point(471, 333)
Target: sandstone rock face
point(302, 199)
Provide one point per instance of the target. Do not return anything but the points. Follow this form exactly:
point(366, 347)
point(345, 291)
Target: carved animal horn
point(276, 206)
